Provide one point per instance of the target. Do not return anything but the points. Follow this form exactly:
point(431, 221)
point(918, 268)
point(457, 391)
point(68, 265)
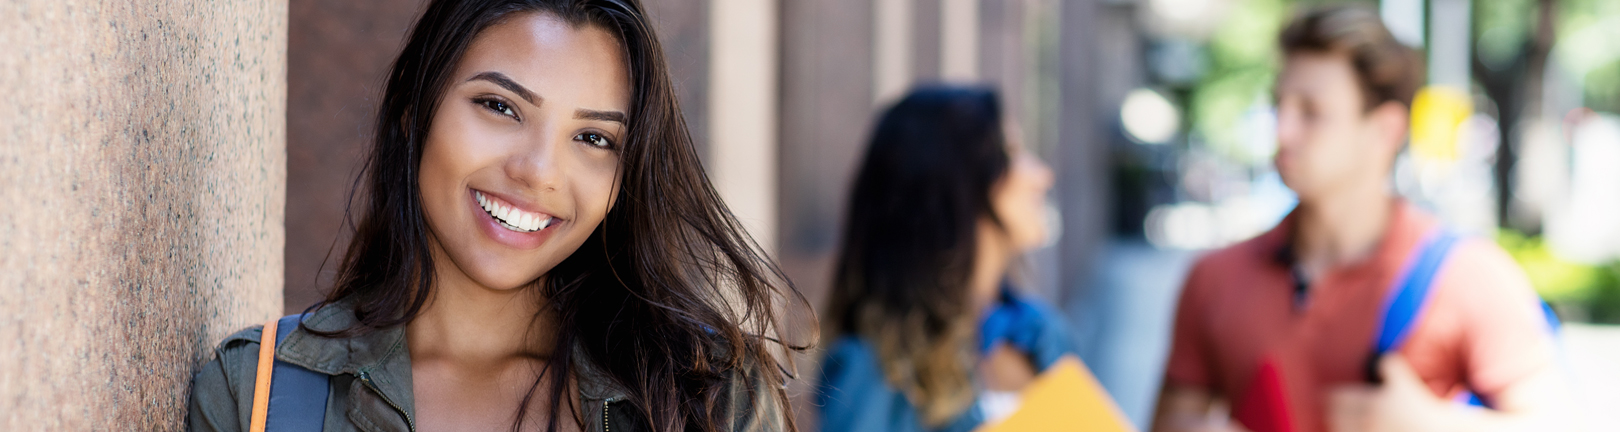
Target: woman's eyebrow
point(612, 116)
point(507, 83)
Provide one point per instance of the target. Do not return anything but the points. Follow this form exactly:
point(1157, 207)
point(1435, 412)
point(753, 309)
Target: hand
point(1006, 369)
point(1402, 404)
point(1222, 426)
point(1208, 425)
point(1193, 409)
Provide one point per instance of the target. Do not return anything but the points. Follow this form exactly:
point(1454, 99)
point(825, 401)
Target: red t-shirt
point(1482, 328)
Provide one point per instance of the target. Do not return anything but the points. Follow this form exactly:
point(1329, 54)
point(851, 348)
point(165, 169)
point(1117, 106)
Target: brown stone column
point(142, 181)
point(1004, 59)
point(683, 29)
point(925, 43)
point(826, 112)
point(1081, 157)
point(828, 71)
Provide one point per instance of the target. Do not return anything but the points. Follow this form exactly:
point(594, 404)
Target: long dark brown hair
point(669, 297)
point(910, 240)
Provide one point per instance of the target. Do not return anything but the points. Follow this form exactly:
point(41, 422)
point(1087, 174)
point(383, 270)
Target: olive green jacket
point(370, 378)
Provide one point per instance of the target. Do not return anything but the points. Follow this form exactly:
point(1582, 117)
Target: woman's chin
point(507, 282)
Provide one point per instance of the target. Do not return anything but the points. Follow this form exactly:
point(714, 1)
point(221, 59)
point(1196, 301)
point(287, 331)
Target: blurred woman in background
point(926, 333)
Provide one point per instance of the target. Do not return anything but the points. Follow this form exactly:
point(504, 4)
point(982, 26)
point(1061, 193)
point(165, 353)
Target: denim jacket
point(854, 396)
point(370, 388)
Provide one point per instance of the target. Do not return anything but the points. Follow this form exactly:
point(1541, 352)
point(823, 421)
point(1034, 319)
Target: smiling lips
point(511, 217)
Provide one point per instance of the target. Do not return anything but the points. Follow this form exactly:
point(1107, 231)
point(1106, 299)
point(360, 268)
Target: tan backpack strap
point(261, 381)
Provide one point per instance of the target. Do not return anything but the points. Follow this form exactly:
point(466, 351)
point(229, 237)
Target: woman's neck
point(466, 322)
point(990, 262)
point(1341, 228)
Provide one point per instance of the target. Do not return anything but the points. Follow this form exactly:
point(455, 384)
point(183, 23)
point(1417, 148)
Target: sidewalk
point(1122, 319)
point(1593, 353)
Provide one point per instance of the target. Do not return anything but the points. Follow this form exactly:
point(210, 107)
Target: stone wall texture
point(142, 188)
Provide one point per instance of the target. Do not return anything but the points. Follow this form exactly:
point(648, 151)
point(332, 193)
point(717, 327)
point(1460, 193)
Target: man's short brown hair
point(1388, 71)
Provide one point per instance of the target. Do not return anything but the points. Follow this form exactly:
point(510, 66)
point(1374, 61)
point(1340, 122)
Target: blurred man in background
point(1282, 328)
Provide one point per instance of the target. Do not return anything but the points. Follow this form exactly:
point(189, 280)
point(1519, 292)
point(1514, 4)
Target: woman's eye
point(594, 139)
point(498, 107)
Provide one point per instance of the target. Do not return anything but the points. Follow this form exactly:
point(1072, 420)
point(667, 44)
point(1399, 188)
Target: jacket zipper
point(605, 403)
point(365, 377)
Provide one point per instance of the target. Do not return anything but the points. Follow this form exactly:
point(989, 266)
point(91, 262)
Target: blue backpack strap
point(297, 395)
point(1412, 291)
point(1552, 317)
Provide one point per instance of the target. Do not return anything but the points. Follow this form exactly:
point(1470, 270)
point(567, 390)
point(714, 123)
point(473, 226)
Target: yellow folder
point(1066, 397)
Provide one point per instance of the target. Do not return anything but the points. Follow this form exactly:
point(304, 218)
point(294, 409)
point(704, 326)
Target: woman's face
point(522, 158)
point(1019, 198)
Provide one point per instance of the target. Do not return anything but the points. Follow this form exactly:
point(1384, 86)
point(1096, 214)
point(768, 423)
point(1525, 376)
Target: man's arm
point(1506, 346)
point(1537, 402)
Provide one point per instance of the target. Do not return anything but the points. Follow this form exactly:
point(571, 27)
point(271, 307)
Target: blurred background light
point(1438, 113)
point(1193, 19)
point(1404, 19)
point(1586, 229)
point(1181, 11)
point(1149, 118)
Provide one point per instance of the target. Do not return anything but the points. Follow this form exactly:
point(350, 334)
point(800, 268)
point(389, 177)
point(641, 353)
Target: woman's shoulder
point(850, 362)
point(244, 340)
point(239, 351)
point(754, 390)
point(848, 354)
point(758, 389)
point(221, 388)
point(848, 347)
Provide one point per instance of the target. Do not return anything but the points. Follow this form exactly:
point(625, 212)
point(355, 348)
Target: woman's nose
point(541, 164)
point(1044, 173)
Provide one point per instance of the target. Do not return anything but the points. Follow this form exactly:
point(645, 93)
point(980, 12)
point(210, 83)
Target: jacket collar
point(384, 350)
point(593, 383)
point(334, 356)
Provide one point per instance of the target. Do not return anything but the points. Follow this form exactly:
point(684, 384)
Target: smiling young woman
point(537, 249)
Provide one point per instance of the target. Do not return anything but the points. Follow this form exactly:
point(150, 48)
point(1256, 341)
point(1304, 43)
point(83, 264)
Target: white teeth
point(512, 218)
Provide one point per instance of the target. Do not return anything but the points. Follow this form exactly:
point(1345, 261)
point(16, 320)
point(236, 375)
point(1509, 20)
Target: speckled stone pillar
point(142, 191)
